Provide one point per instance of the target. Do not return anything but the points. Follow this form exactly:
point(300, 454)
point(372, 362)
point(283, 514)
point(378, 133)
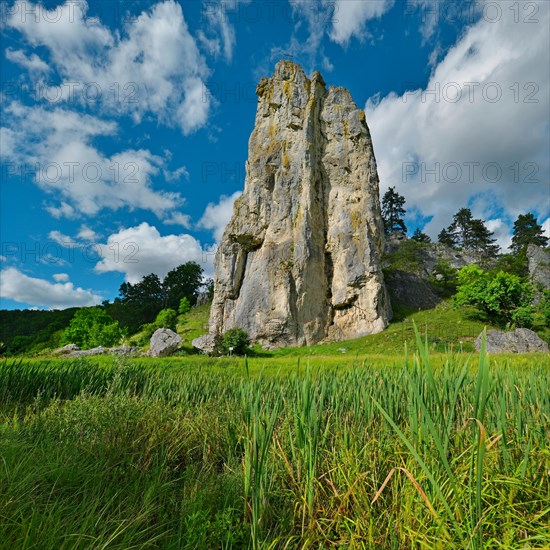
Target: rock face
point(429, 254)
point(410, 291)
point(539, 265)
point(522, 340)
point(164, 342)
point(300, 260)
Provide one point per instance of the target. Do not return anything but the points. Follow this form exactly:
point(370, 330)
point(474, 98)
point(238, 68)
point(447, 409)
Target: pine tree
point(482, 241)
point(527, 231)
point(420, 237)
point(470, 234)
point(461, 228)
point(393, 211)
point(447, 238)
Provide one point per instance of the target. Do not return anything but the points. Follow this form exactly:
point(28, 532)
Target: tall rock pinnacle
point(300, 260)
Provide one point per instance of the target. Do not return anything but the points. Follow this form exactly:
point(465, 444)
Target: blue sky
point(125, 125)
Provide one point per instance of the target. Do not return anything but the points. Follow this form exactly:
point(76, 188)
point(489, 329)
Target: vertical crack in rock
point(300, 260)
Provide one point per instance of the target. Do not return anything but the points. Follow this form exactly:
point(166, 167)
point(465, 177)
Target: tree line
point(140, 303)
point(464, 232)
point(150, 302)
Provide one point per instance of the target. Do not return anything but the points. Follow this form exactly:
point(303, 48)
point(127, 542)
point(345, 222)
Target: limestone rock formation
point(300, 260)
point(522, 340)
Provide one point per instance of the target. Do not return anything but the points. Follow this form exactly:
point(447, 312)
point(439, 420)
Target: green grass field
point(349, 450)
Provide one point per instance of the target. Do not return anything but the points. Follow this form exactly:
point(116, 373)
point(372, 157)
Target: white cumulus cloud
point(217, 215)
point(32, 62)
point(478, 134)
point(59, 142)
point(153, 67)
point(350, 17)
point(141, 250)
point(87, 234)
point(15, 285)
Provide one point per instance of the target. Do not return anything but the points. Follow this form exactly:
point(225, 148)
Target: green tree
point(543, 308)
point(517, 264)
point(447, 238)
point(149, 290)
point(235, 341)
point(504, 298)
point(471, 234)
point(461, 228)
point(444, 272)
point(185, 306)
point(167, 318)
point(407, 256)
point(42, 328)
point(184, 280)
point(138, 303)
point(482, 240)
point(420, 237)
point(527, 231)
point(91, 327)
point(393, 211)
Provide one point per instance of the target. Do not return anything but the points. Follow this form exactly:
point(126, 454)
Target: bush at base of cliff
point(235, 341)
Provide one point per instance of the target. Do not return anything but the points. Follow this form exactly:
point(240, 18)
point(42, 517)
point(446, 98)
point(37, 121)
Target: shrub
point(523, 316)
point(444, 273)
point(543, 307)
point(407, 256)
point(503, 297)
point(185, 306)
point(91, 327)
point(235, 341)
point(167, 318)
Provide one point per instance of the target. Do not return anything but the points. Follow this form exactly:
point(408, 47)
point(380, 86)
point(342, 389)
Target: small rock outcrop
point(300, 260)
point(202, 299)
point(206, 344)
point(73, 351)
point(69, 348)
point(164, 342)
point(99, 350)
point(522, 340)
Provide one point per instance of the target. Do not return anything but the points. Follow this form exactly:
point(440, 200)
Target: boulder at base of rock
point(67, 349)
point(206, 344)
point(164, 342)
point(522, 340)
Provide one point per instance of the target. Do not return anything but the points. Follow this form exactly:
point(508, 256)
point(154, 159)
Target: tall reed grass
point(442, 453)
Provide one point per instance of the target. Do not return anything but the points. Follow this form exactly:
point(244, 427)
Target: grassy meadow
point(417, 450)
